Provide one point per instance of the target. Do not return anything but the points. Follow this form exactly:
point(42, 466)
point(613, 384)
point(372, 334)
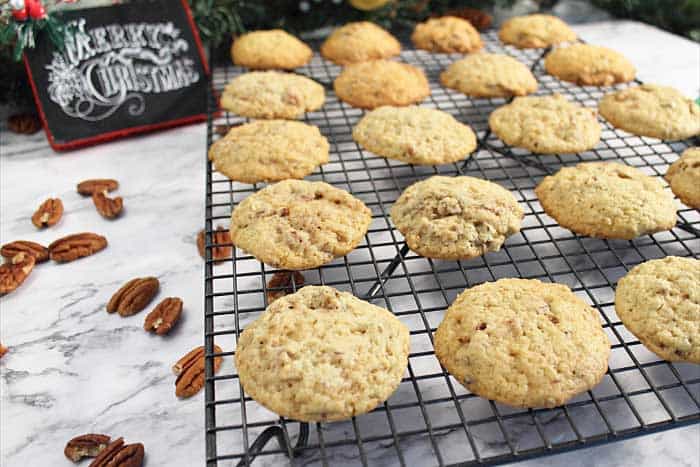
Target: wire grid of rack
point(431, 419)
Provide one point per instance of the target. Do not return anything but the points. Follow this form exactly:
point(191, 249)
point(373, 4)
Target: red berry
point(36, 9)
point(20, 15)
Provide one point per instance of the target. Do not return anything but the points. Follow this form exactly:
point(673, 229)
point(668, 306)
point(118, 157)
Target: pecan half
point(164, 316)
point(76, 246)
point(3, 350)
point(24, 124)
point(15, 271)
point(281, 284)
point(97, 185)
point(133, 296)
point(116, 454)
point(190, 371)
point(89, 445)
point(39, 252)
point(48, 214)
point(107, 207)
point(221, 244)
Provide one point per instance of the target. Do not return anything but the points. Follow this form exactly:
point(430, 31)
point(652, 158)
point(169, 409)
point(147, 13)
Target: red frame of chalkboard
point(83, 142)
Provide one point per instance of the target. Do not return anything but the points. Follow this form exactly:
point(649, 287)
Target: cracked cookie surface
point(272, 94)
point(321, 354)
point(684, 177)
point(447, 34)
point(417, 135)
point(489, 75)
point(535, 31)
point(359, 42)
point(523, 342)
point(546, 125)
point(272, 49)
point(269, 150)
point(296, 224)
point(607, 200)
point(659, 302)
point(589, 65)
point(456, 217)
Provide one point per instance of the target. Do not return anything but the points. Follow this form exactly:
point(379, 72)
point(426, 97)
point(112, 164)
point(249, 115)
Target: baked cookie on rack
point(652, 110)
point(535, 31)
point(684, 177)
point(296, 224)
point(522, 342)
point(269, 150)
point(359, 42)
point(489, 75)
point(659, 302)
point(589, 65)
point(607, 200)
point(272, 94)
point(320, 355)
point(273, 49)
point(369, 85)
point(546, 125)
point(456, 217)
point(447, 34)
point(416, 135)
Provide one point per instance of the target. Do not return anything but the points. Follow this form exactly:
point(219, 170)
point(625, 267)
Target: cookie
point(684, 177)
point(489, 75)
point(359, 42)
point(589, 65)
point(269, 150)
point(320, 355)
point(652, 110)
point(546, 125)
point(273, 49)
point(369, 85)
point(456, 217)
point(447, 34)
point(659, 302)
point(295, 224)
point(522, 342)
point(272, 94)
point(416, 135)
point(535, 31)
point(607, 200)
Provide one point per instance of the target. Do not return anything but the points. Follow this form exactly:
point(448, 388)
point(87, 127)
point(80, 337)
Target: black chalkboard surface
point(127, 69)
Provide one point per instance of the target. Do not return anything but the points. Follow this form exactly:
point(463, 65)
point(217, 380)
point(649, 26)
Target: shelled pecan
point(24, 124)
point(281, 284)
point(15, 271)
point(76, 246)
point(39, 252)
point(190, 371)
point(221, 244)
point(48, 214)
point(108, 208)
point(89, 445)
point(164, 316)
point(117, 454)
point(3, 350)
point(97, 185)
point(133, 296)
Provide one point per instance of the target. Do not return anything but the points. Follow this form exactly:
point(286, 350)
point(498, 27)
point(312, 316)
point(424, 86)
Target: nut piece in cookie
point(519, 342)
point(14, 271)
point(489, 75)
point(133, 296)
point(190, 371)
point(76, 246)
point(321, 354)
point(48, 214)
point(89, 445)
point(447, 34)
point(535, 31)
point(164, 316)
point(589, 65)
point(359, 42)
point(273, 49)
point(684, 177)
point(39, 252)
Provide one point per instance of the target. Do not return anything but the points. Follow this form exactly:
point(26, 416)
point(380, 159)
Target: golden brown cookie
point(273, 49)
point(607, 200)
point(546, 125)
point(522, 342)
point(652, 110)
point(534, 31)
point(269, 150)
point(489, 75)
point(295, 224)
point(659, 302)
point(369, 85)
point(272, 94)
point(589, 65)
point(320, 355)
point(447, 34)
point(417, 135)
point(684, 177)
point(359, 42)
point(456, 217)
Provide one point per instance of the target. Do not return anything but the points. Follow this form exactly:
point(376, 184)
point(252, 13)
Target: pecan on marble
point(190, 371)
point(281, 284)
point(3, 350)
point(15, 271)
point(221, 244)
point(76, 246)
point(24, 124)
point(97, 185)
point(48, 214)
point(164, 316)
point(39, 252)
point(89, 445)
point(133, 296)
point(108, 208)
point(117, 454)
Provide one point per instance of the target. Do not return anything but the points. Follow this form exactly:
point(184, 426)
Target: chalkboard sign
point(126, 69)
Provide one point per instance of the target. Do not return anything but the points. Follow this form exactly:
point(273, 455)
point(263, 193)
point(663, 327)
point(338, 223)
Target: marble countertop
point(72, 368)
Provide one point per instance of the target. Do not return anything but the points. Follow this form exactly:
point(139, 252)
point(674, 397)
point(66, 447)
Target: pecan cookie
point(359, 42)
point(589, 65)
point(534, 31)
point(489, 75)
point(684, 177)
point(447, 34)
point(273, 49)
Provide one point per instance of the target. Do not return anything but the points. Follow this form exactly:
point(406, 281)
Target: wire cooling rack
point(432, 419)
